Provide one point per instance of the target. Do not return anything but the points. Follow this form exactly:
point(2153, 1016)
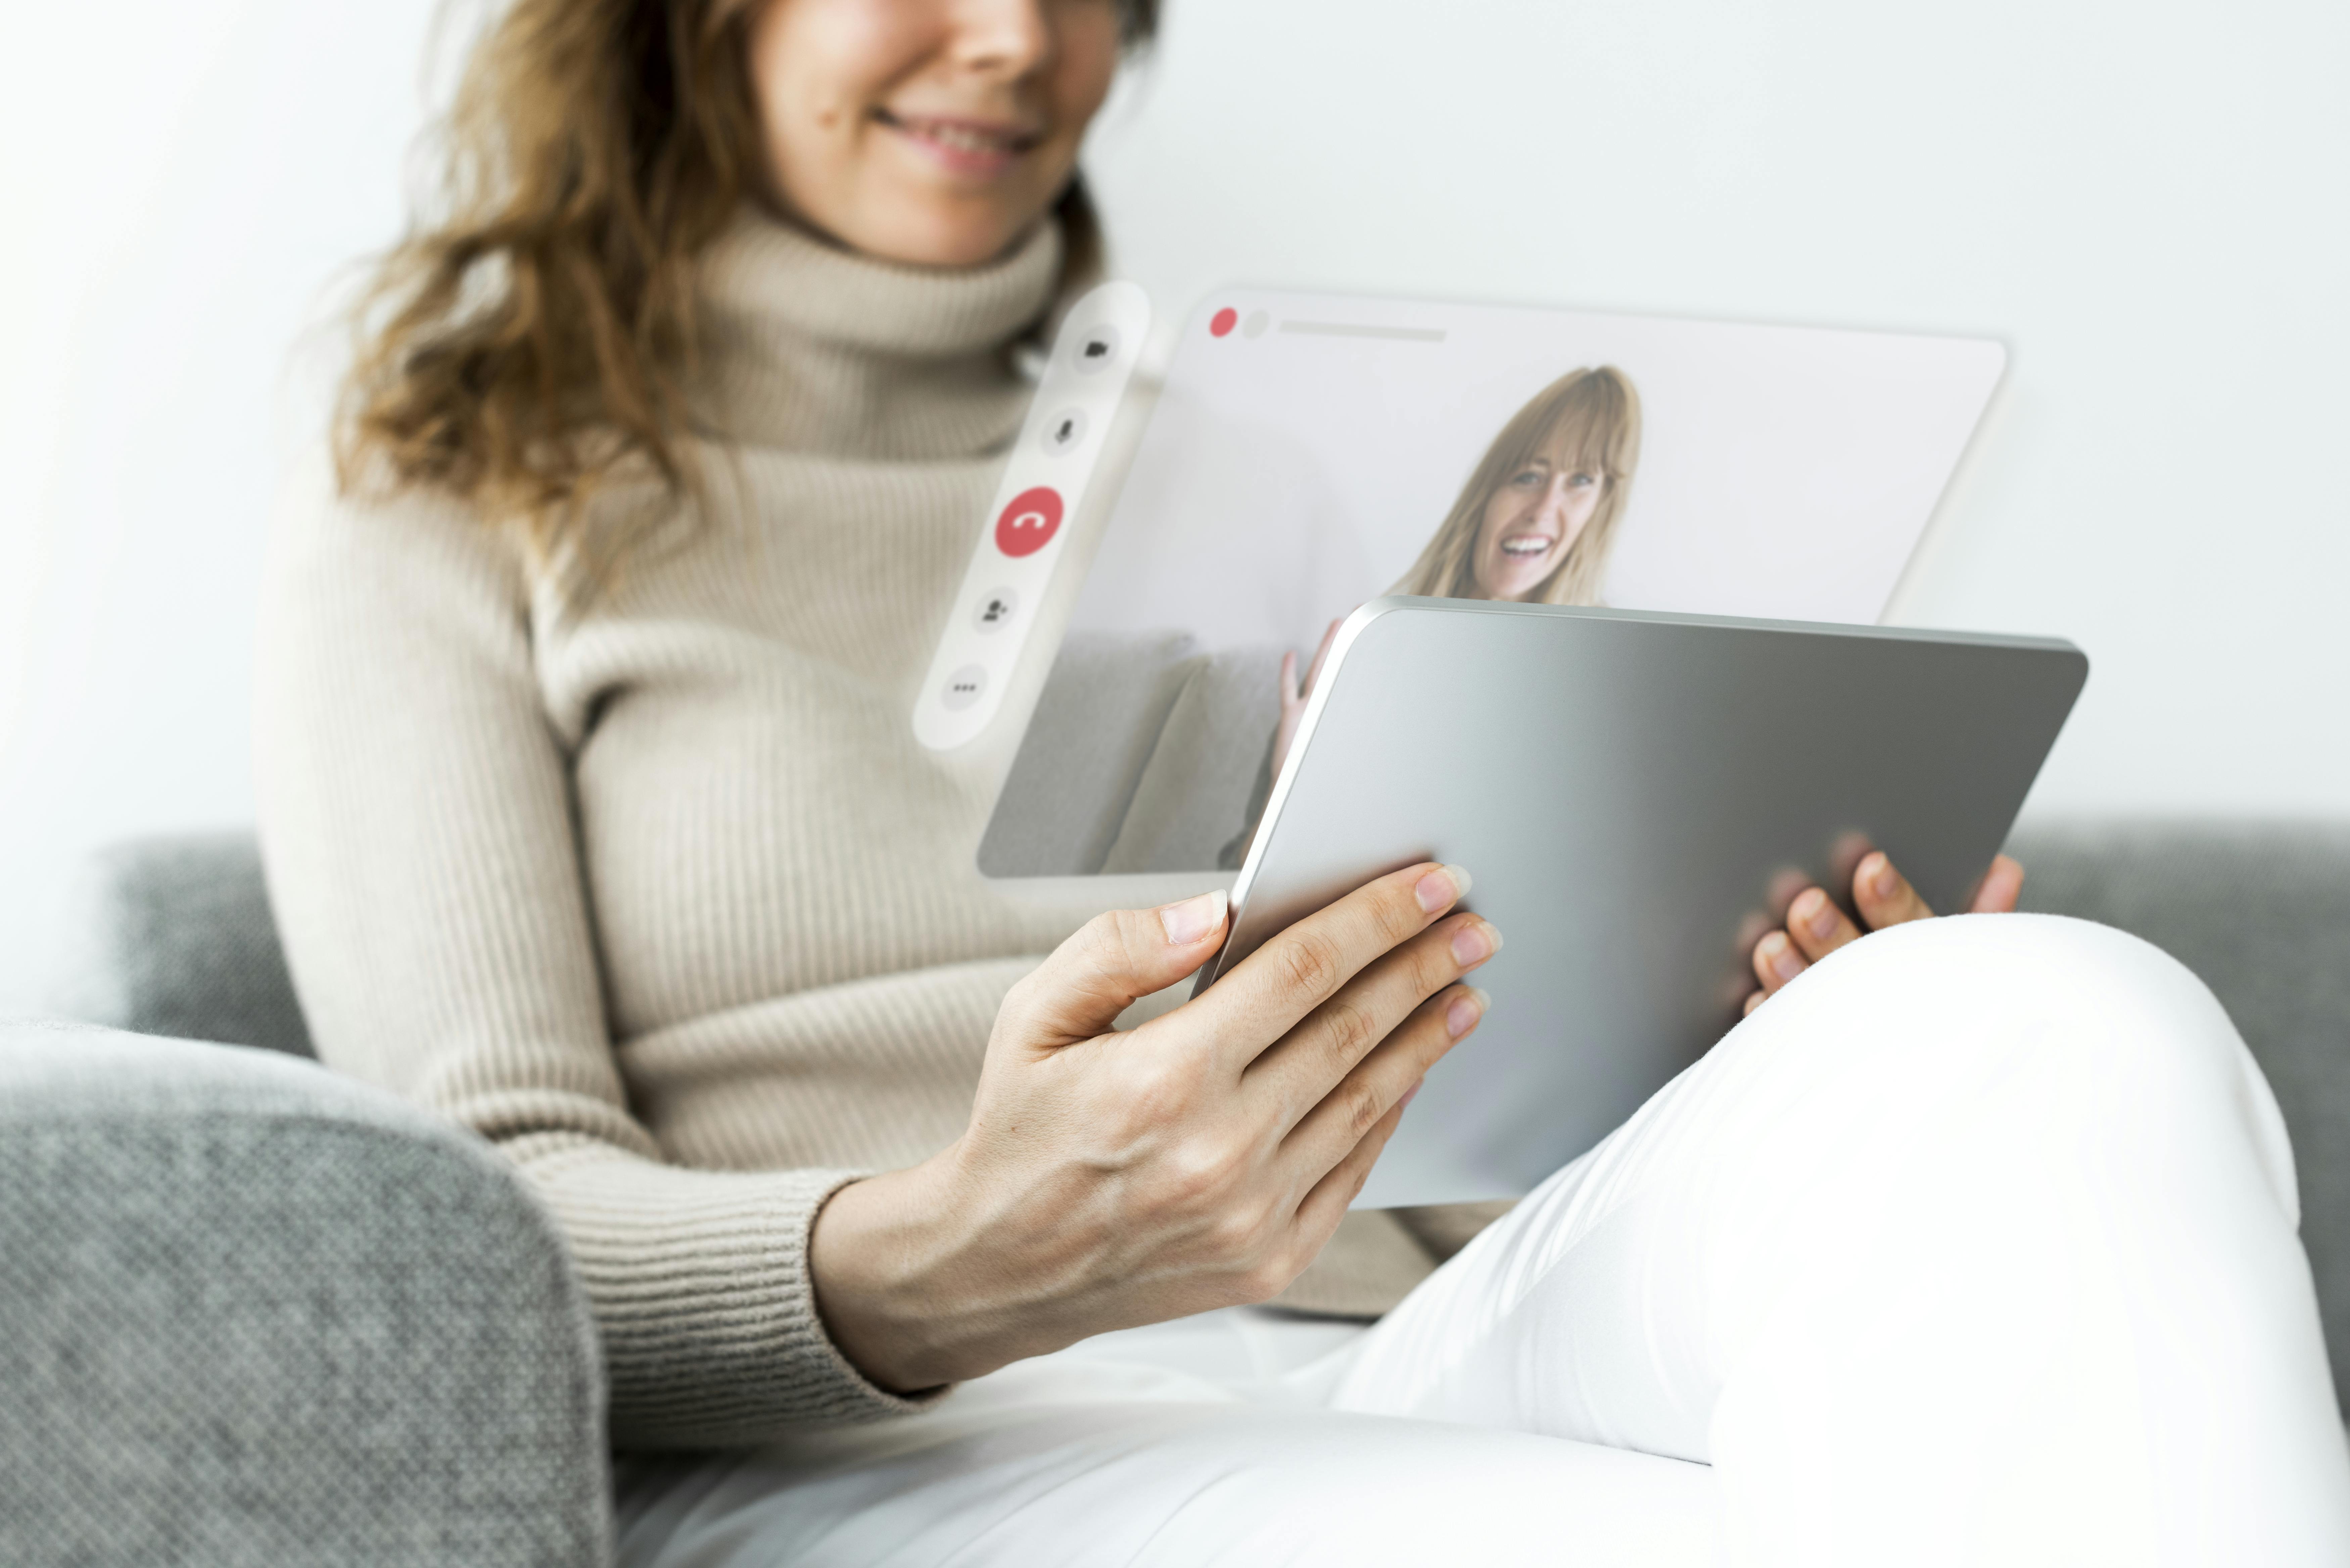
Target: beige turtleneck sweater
point(660, 896)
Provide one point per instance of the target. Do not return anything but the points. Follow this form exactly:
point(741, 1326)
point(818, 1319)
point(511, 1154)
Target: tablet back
point(1637, 795)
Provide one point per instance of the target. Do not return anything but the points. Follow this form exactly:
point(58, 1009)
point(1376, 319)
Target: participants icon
point(995, 610)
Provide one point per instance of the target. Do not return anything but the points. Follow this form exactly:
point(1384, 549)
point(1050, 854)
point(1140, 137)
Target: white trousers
point(1977, 1244)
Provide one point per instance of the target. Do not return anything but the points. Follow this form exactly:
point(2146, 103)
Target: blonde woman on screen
point(1533, 524)
point(1534, 520)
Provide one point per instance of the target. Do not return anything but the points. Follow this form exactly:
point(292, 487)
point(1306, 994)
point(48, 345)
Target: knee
point(2080, 1022)
point(2055, 977)
point(2074, 1006)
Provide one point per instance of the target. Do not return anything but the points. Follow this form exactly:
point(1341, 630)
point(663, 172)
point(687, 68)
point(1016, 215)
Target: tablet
point(1637, 797)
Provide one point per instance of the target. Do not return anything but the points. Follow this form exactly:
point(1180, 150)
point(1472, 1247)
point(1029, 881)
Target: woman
point(1534, 521)
point(593, 821)
point(1532, 526)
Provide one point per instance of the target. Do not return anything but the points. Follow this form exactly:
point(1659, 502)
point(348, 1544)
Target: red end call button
point(1029, 524)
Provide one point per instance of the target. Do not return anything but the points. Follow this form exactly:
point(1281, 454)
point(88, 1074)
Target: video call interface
point(1308, 453)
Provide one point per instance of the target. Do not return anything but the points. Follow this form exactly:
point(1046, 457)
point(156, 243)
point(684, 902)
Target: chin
point(925, 236)
point(1514, 591)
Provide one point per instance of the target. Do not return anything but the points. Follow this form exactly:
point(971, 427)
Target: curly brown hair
point(534, 340)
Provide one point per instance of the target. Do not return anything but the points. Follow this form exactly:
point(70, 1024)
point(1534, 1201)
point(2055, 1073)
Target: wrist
point(876, 1257)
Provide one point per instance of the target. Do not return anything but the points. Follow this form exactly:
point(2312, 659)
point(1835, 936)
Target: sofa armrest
point(251, 1312)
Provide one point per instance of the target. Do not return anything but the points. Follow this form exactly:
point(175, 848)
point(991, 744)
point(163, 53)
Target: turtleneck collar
point(808, 347)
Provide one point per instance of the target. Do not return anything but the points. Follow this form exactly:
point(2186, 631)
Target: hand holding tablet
point(1201, 1161)
point(1818, 925)
point(1643, 795)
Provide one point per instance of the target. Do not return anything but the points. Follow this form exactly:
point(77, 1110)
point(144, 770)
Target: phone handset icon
point(1029, 523)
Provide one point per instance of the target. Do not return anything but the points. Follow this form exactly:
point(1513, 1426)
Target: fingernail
point(1882, 881)
point(1193, 918)
point(1782, 959)
point(1409, 1095)
point(1475, 942)
point(1821, 916)
point(1462, 1015)
point(1444, 885)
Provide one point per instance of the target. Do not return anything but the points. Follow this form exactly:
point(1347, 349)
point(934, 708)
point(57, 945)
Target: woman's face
point(1530, 522)
point(934, 132)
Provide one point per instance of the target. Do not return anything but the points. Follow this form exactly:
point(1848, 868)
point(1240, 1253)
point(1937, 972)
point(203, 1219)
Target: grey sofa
point(1146, 753)
point(252, 1311)
point(258, 1313)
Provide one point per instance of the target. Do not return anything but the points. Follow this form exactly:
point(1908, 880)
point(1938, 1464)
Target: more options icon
point(963, 686)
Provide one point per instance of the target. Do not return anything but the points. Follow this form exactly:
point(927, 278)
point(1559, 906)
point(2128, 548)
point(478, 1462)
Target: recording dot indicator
point(1223, 321)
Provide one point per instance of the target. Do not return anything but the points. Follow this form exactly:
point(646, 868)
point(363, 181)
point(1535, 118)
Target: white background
point(2145, 201)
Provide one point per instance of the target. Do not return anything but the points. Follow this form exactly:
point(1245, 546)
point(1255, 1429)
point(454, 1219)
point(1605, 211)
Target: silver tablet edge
point(1352, 629)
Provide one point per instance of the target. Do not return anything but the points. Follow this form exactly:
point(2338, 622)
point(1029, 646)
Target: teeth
point(1524, 546)
point(966, 140)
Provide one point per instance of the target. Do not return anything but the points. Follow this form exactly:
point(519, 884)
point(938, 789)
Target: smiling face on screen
point(1531, 522)
point(934, 132)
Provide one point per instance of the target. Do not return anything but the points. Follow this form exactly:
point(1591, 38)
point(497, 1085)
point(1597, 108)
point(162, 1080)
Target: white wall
point(2147, 202)
point(182, 182)
point(2150, 204)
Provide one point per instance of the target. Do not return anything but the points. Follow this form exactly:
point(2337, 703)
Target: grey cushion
point(173, 935)
point(1141, 757)
point(259, 1313)
point(1193, 796)
point(1095, 725)
point(2261, 911)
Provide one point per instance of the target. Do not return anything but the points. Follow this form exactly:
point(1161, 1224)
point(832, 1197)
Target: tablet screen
point(1310, 453)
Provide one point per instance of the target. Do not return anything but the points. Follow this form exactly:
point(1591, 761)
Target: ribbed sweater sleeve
point(422, 852)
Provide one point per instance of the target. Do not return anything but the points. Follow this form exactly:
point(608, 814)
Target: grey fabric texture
point(2261, 912)
point(259, 1313)
point(1097, 723)
point(173, 936)
point(1193, 795)
point(1141, 757)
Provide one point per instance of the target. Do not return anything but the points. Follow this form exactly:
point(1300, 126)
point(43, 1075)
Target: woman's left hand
point(1816, 928)
point(1293, 693)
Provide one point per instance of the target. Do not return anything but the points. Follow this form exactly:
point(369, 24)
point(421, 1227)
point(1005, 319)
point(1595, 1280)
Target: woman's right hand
point(1112, 1179)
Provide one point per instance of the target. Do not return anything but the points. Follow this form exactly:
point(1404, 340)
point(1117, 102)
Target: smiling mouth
point(1524, 546)
point(963, 139)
